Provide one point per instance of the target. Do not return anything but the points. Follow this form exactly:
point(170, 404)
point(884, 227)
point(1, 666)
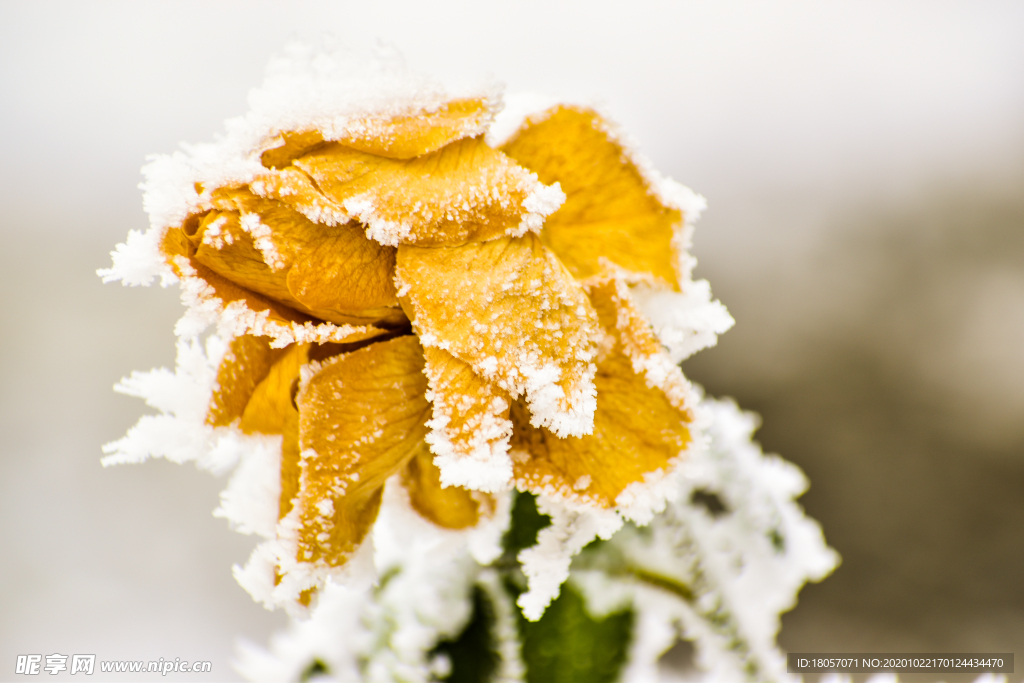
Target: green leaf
point(473, 654)
point(527, 521)
point(567, 645)
point(316, 669)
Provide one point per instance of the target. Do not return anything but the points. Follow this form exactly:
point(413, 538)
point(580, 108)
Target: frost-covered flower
point(423, 290)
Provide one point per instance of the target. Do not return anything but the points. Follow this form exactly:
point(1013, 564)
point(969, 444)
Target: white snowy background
point(864, 169)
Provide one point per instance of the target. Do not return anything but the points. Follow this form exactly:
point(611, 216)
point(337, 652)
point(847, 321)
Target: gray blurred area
point(864, 168)
point(902, 399)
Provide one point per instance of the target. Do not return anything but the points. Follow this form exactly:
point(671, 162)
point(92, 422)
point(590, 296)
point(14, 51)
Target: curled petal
point(279, 232)
point(346, 274)
point(241, 311)
point(511, 311)
point(330, 268)
point(611, 211)
point(637, 340)
point(223, 246)
point(398, 136)
point(288, 145)
point(451, 507)
point(470, 428)
point(209, 288)
point(270, 409)
point(245, 364)
point(361, 418)
point(464, 191)
point(274, 397)
point(291, 470)
point(330, 272)
point(292, 187)
point(642, 424)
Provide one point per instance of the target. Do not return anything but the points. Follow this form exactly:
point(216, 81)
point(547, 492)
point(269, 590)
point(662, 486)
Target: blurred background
point(864, 169)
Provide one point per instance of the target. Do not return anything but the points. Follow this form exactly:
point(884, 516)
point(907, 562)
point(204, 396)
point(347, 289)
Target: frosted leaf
point(654, 623)
point(181, 433)
point(732, 573)
point(505, 629)
point(546, 564)
point(138, 260)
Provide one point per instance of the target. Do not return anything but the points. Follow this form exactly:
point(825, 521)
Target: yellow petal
point(245, 311)
point(288, 146)
point(174, 245)
point(637, 432)
point(344, 273)
point(330, 272)
point(361, 418)
point(418, 133)
point(273, 399)
point(280, 232)
point(464, 191)
point(294, 188)
point(249, 312)
point(401, 136)
point(642, 421)
point(470, 428)
point(635, 337)
point(228, 250)
point(634, 331)
point(291, 470)
point(452, 507)
point(246, 362)
point(272, 410)
point(511, 311)
point(209, 285)
point(610, 211)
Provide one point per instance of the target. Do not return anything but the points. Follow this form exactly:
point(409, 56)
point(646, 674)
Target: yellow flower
point(406, 299)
